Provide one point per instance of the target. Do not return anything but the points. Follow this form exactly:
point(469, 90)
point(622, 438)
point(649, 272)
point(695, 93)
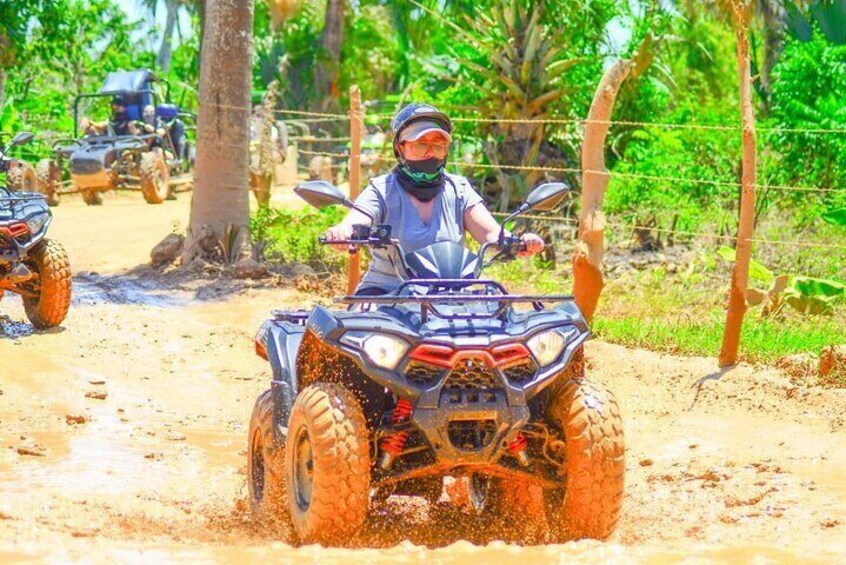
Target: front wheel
point(266, 464)
point(92, 196)
point(589, 504)
point(50, 304)
point(327, 464)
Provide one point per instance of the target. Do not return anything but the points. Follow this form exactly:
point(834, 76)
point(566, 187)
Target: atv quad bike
point(444, 377)
point(31, 265)
point(156, 162)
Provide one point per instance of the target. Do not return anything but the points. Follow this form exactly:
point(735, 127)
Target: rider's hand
point(534, 244)
point(340, 232)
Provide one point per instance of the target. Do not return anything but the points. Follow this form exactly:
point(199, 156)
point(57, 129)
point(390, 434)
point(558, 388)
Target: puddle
point(11, 329)
point(92, 288)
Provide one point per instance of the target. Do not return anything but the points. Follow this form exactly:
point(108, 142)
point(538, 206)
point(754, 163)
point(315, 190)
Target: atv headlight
point(382, 350)
point(547, 346)
point(35, 223)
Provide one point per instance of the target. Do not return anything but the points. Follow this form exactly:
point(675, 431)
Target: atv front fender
point(282, 343)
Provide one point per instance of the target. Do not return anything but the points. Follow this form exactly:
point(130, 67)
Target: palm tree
point(173, 8)
point(329, 62)
point(220, 209)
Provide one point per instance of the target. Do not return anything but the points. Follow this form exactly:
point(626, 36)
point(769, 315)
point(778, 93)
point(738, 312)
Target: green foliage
point(291, 235)
point(806, 94)
point(807, 295)
point(835, 217)
point(756, 270)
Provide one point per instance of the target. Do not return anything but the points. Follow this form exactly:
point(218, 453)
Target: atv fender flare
point(283, 343)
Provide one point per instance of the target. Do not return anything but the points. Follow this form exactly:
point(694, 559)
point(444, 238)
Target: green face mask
point(424, 172)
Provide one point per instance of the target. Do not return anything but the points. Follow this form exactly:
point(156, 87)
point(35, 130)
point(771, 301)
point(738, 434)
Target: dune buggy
point(31, 265)
point(158, 161)
point(445, 377)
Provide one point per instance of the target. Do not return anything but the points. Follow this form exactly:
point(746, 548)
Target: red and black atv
point(445, 377)
point(31, 265)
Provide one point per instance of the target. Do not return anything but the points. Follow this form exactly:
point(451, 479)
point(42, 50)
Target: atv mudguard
point(283, 343)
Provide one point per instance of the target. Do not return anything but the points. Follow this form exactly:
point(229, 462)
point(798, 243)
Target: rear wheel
point(49, 180)
point(154, 177)
point(327, 464)
point(50, 306)
point(266, 465)
point(589, 504)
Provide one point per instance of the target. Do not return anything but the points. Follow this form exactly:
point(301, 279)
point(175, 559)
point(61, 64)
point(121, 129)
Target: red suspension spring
point(518, 444)
point(518, 449)
point(395, 443)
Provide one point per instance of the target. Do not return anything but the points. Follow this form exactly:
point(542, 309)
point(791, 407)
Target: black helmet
point(413, 112)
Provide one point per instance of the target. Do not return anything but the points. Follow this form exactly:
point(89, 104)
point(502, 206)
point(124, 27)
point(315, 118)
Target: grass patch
point(761, 340)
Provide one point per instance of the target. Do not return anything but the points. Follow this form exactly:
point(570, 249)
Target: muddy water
point(122, 437)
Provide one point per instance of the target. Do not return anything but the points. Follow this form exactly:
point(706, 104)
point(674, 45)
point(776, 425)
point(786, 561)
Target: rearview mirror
point(546, 196)
point(321, 194)
point(22, 138)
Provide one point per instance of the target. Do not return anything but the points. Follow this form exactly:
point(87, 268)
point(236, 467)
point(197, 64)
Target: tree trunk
point(166, 50)
point(773, 43)
point(587, 256)
point(740, 273)
point(220, 204)
point(331, 40)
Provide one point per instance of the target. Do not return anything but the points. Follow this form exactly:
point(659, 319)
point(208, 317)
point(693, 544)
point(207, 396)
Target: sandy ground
point(122, 435)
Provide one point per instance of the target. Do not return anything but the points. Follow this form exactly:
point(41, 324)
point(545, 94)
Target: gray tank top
point(387, 203)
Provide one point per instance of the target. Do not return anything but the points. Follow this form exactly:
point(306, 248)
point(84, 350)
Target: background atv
point(150, 162)
point(445, 377)
point(30, 264)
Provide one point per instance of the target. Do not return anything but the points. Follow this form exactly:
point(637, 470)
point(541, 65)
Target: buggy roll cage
point(154, 96)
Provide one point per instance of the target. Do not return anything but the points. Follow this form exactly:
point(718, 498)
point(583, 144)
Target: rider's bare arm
point(345, 228)
point(483, 227)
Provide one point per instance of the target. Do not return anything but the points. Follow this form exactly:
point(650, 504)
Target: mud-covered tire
point(49, 180)
point(327, 465)
point(589, 504)
point(154, 177)
point(49, 259)
point(514, 511)
point(266, 465)
point(21, 177)
point(92, 197)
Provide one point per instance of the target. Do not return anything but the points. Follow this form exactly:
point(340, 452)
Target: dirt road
point(122, 435)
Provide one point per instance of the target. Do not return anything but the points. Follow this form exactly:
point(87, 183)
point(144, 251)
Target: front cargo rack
point(455, 291)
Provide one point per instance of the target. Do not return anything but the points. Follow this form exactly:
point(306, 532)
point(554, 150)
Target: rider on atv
point(422, 202)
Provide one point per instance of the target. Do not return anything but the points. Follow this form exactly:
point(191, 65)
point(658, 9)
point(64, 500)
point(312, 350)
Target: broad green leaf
point(808, 286)
point(836, 217)
point(756, 270)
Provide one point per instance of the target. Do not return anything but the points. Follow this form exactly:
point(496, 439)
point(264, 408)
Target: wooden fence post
point(587, 256)
point(740, 273)
point(356, 127)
